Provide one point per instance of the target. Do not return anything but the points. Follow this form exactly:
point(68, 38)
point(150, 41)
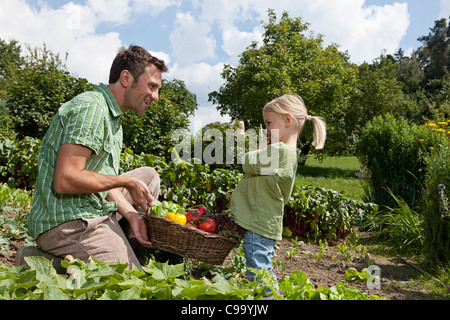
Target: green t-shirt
point(257, 203)
point(92, 119)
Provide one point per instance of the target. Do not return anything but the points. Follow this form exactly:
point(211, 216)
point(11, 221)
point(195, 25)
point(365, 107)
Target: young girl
point(258, 200)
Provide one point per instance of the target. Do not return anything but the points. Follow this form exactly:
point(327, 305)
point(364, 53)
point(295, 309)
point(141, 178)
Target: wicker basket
point(188, 242)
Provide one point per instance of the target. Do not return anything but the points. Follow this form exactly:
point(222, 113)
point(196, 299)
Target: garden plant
point(389, 116)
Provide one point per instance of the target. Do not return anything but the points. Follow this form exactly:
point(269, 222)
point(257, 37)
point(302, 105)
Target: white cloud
point(365, 31)
point(191, 40)
point(161, 55)
point(200, 78)
point(70, 28)
point(116, 11)
point(236, 41)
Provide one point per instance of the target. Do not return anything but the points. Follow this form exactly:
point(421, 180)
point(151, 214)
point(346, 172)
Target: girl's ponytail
point(319, 131)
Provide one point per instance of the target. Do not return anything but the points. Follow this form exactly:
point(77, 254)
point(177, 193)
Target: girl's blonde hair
point(295, 106)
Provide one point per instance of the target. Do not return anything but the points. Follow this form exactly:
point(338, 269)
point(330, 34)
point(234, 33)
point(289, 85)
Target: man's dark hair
point(134, 59)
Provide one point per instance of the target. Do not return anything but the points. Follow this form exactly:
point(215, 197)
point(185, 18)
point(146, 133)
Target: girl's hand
point(264, 143)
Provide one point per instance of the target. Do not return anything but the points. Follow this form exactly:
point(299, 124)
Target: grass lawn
point(337, 173)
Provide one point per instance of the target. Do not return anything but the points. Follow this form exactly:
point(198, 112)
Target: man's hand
point(140, 194)
point(138, 224)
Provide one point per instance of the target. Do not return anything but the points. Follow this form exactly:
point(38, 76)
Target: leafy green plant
point(95, 280)
point(319, 213)
point(399, 227)
point(351, 274)
point(190, 184)
point(323, 245)
point(17, 197)
point(396, 155)
point(18, 161)
point(161, 208)
point(344, 249)
point(290, 254)
point(15, 227)
point(436, 208)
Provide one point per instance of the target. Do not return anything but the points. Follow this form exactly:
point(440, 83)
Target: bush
point(395, 153)
point(36, 90)
point(319, 213)
point(19, 161)
point(187, 183)
point(190, 184)
point(436, 213)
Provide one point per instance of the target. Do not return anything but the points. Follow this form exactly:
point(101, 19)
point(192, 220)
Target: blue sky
point(197, 37)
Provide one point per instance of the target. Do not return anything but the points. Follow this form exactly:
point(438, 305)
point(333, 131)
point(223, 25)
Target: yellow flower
point(443, 124)
point(421, 140)
point(431, 124)
point(431, 148)
point(440, 130)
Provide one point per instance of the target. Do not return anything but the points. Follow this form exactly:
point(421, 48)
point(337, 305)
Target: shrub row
point(410, 169)
point(436, 207)
point(395, 152)
point(318, 213)
point(311, 212)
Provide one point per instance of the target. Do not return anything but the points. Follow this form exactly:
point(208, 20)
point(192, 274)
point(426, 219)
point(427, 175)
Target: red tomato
point(190, 215)
point(202, 209)
point(209, 225)
point(194, 216)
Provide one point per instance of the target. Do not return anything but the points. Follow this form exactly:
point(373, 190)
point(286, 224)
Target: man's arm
point(71, 177)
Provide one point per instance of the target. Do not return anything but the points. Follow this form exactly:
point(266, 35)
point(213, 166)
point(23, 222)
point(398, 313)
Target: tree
point(36, 90)
point(290, 61)
point(435, 55)
point(379, 92)
point(10, 59)
point(152, 133)
point(409, 72)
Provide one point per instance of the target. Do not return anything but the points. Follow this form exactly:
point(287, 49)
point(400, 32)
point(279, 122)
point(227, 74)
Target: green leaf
point(109, 295)
point(44, 269)
point(53, 293)
point(164, 271)
point(134, 293)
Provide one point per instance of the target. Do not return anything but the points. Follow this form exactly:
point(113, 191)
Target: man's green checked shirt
point(92, 119)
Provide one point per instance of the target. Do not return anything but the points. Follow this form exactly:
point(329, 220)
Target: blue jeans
point(258, 251)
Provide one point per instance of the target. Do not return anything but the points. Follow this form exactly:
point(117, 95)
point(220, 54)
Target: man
point(78, 191)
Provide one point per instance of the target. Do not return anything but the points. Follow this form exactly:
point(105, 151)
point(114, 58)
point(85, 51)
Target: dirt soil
point(330, 270)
